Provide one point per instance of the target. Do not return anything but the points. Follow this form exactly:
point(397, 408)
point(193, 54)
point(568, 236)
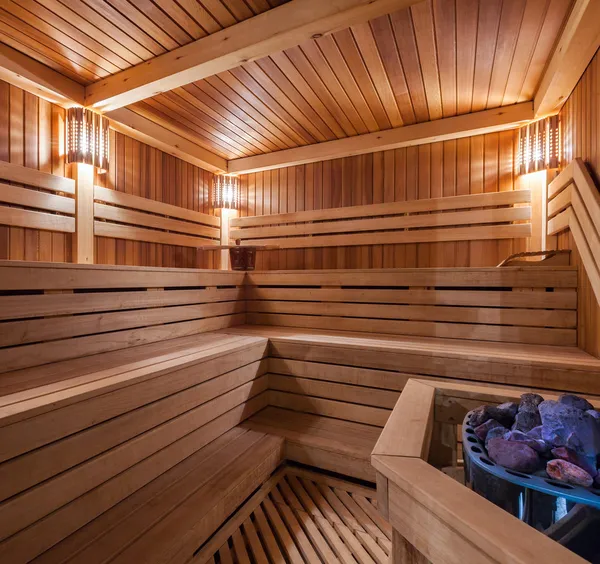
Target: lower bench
point(171, 517)
point(331, 444)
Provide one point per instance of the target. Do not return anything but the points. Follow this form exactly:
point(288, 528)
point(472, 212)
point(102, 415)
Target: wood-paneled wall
point(141, 170)
point(32, 135)
point(463, 166)
point(580, 123)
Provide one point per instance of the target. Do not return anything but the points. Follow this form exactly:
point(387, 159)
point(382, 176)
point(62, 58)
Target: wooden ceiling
point(436, 59)
point(90, 39)
point(433, 60)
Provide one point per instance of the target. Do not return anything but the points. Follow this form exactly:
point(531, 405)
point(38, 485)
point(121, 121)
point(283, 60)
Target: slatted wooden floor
point(301, 516)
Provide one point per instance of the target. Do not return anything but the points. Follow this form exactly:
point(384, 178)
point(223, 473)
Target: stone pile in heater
point(561, 437)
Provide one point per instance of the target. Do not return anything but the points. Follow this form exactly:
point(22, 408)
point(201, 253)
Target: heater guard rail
point(435, 518)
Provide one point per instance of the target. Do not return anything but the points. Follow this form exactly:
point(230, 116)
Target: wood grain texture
point(32, 136)
point(327, 521)
point(434, 59)
point(87, 41)
point(313, 308)
point(466, 166)
point(580, 123)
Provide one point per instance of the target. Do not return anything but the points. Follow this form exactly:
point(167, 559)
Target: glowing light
point(87, 138)
point(226, 192)
point(539, 146)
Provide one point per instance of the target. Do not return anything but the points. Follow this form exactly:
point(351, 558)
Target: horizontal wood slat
point(393, 223)
point(40, 328)
point(505, 277)
point(560, 299)
point(124, 200)
point(28, 207)
point(420, 302)
point(19, 275)
point(392, 208)
point(567, 337)
point(17, 217)
point(390, 223)
point(401, 237)
point(105, 229)
point(34, 199)
point(125, 216)
point(449, 314)
point(31, 177)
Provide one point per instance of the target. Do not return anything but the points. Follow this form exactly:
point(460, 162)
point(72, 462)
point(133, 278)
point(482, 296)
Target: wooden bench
point(130, 396)
point(113, 391)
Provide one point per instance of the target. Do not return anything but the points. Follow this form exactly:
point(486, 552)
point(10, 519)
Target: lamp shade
point(87, 138)
point(226, 192)
point(539, 145)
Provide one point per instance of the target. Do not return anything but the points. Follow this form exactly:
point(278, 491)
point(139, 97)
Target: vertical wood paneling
point(465, 166)
point(580, 124)
point(144, 171)
point(32, 134)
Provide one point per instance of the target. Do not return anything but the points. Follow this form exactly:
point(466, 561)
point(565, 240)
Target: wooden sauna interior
point(157, 406)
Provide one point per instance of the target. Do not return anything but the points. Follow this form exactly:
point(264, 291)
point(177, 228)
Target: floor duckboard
point(300, 516)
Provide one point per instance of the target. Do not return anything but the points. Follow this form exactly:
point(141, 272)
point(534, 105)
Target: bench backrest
point(53, 312)
point(500, 215)
point(534, 305)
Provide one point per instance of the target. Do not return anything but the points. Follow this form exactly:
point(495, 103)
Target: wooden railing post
point(83, 239)
point(226, 216)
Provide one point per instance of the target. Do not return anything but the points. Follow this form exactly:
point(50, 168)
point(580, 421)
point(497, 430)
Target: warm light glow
point(87, 138)
point(539, 146)
point(226, 192)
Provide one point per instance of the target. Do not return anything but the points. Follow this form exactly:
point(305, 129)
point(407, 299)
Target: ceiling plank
point(477, 123)
point(574, 50)
point(24, 72)
point(280, 28)
point(141, 128)
point(32, 76)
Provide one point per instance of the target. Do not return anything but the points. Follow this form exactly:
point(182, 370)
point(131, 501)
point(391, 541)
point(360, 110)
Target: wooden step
point(324, 442)
point(171, 517)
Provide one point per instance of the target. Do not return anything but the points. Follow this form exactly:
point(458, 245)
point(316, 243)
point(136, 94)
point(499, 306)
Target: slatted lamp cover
point(539, 145)
point(226, 192)
point(87, 138)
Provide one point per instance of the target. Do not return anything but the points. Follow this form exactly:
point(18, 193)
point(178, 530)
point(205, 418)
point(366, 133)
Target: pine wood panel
point(88, 40)
point(413, 222)
point(110, 320)
point(506, 324)
point(32, 135)
point(466, 166)
point(580, 123)
point(439, 58)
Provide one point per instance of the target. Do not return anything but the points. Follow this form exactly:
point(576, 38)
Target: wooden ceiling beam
point(277, 29)
point(24, 72)
point(32, 76)
point(457, 127)
point(141, 128)
point(577, 45)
